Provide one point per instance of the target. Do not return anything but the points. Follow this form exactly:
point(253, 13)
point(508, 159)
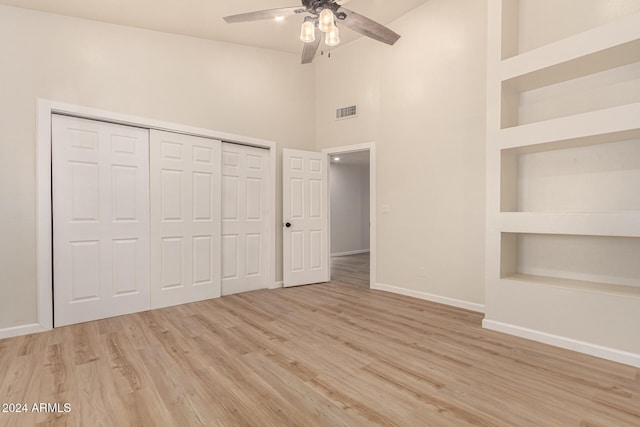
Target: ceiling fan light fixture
point(308, 32)
point(332, 38)
point(324, 15)
point(325, 20)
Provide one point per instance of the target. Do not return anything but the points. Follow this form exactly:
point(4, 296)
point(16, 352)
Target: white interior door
point(245, 218)
point(305, 224)
point(100, 179)
point(185, 218)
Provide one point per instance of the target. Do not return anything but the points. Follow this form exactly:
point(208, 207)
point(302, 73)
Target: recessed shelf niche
point(594, 263)
point(593, 67)
point(527, 99)
point(586, 175)
point(526, 22)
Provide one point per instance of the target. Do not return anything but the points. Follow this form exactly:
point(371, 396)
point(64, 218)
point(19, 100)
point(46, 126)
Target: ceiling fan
point(321, 17)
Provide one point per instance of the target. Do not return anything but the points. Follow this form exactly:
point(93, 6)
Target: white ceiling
point(203, 18)
point(355, 158)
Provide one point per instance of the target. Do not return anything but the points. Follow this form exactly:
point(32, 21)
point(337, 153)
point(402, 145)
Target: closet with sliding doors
point(144, 219)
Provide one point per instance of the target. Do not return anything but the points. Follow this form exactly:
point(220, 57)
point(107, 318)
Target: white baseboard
point(276, 285)
point(430, 297)
point(567, 343)
point(21, 330)
point(359, 251)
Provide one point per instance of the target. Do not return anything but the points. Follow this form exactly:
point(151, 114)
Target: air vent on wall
point(346, 112)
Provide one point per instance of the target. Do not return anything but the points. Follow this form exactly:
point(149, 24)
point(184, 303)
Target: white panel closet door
point(245, 218)
point(306, 226)
point(100, 219)
point(185, 218)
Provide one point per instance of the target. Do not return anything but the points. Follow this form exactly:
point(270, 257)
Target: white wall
point(225, 87)
point(349, 207)
point(423, 102)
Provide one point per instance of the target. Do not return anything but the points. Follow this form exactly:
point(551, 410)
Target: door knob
point(287, 224)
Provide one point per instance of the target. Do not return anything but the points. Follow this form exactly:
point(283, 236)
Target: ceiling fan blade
point(309, 50)
point(368, 27)
point(264, 14)
point(341, 2)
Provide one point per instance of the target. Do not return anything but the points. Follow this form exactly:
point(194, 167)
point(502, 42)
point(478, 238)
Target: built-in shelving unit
point(608, 46)
point(563, 186)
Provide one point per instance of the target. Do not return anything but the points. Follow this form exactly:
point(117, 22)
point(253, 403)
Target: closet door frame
point(44, 253)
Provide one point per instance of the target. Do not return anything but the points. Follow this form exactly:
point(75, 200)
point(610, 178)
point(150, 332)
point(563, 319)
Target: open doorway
point(307, 216)
point(350, 213)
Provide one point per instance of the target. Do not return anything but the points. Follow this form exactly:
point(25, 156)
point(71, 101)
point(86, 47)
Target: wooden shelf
point(605, 47)
point(582, 285)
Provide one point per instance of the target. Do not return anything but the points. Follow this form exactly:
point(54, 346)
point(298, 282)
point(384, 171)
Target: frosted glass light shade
point(332, 38)
point(325, 20)
point(308, 32)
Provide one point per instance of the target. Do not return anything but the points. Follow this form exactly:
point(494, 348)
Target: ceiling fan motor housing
point(315, 6)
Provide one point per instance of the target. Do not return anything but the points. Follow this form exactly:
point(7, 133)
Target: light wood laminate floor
point(335, 354)
point(351, 269)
